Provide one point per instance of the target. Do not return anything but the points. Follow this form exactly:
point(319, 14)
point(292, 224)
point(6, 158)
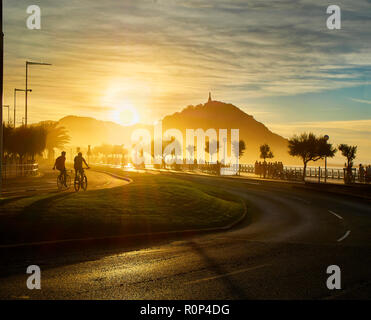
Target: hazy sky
point(274, 59)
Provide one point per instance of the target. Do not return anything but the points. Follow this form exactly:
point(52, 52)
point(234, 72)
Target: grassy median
point(152, 203)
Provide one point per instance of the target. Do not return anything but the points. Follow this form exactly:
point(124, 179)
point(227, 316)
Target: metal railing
point(19, 170)
point(247, 168)
point(330, 173)
point(287, 173)
point(274, 171)
point(312, 173)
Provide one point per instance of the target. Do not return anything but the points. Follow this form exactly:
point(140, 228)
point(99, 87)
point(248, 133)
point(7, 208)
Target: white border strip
point(345, 236)
point(336, 215)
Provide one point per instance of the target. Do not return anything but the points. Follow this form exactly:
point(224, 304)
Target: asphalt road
point(281, 251)
point(47, 183)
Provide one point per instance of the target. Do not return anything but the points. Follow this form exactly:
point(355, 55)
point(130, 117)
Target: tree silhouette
point(105, 150)
point(173, 156)
point(163, 156)
point(241, 145)
point(57, 137)
point(119, 152)
point(24, 141)
point(36, 144)
point(192, 151)
point(8, 133)
point(242, 148)
point(124, 156)
point(310, 148)
point(265, 152)
point(349, 152)
point(209, 151)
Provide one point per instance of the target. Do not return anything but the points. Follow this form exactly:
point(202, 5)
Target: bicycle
point(81, 181)
point(63, 181)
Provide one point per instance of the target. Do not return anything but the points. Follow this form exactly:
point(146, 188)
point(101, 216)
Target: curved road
point(281, 251)
point(47, 183)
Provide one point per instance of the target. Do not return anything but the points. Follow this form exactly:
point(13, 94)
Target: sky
point(139, 60)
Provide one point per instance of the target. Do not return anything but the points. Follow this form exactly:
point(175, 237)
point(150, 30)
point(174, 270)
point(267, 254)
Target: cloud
point(361, 100)
point(185, 48)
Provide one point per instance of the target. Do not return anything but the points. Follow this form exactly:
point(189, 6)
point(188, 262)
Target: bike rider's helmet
point(80, 154)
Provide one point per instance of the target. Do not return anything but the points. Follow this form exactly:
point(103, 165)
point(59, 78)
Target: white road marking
point(344, 236)
point(254, 183)
point(300, 199)
point(227, 274)
point(336, 215)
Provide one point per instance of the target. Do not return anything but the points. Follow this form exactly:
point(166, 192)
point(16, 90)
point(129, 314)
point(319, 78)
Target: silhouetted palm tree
point(348, 152)
point(211, 148)
point(57, 137)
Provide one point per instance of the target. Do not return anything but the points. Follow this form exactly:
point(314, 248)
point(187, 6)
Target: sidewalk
point(24, 185)
point(308, 179)
point(359, 190)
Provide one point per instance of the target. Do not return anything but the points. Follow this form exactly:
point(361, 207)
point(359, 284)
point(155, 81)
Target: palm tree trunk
point(305, 171)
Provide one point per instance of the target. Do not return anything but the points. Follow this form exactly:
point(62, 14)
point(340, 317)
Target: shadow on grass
point(14, 199)
point(43, 204)
point(27, 224)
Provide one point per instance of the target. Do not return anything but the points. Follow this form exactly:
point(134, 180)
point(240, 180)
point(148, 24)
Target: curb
point(164, 233)
point(240, 178)
point(292, 184)
point(334, 192)
point(115, 176)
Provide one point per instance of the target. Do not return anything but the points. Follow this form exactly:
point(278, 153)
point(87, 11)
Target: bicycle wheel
point(60, 182)
point(84, 183)
point(68, 182)
point(77, 183)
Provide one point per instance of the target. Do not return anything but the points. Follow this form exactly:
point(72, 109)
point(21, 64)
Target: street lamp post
point(15, 102)
point(225, 151)
point(326, 138)
point(7, 106)
point(30, 63)
point(1, 92)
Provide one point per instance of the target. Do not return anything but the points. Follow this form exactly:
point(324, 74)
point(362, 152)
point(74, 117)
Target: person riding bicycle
point(78, 162)
point(60, 164)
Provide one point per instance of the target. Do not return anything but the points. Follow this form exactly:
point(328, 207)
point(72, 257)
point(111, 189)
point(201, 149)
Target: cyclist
point(60, 164)
point(78, 162)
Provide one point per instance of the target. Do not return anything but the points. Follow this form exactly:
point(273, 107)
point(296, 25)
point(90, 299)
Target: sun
point(127, 100)
point(125, 114)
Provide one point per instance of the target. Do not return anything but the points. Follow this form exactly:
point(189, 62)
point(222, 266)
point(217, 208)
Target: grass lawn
point(152, 203)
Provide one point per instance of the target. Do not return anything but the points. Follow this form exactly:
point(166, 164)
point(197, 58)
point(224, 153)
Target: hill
point(219, 115)
point(86, 131)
